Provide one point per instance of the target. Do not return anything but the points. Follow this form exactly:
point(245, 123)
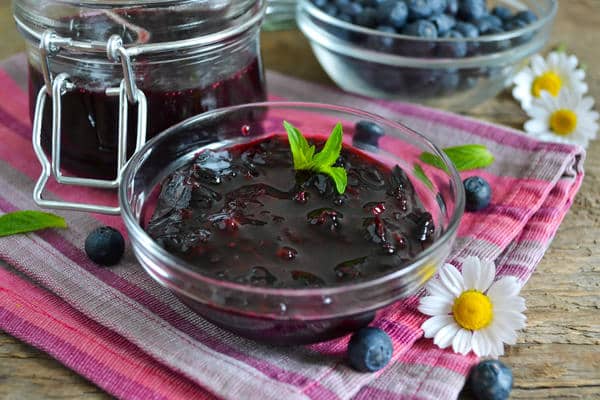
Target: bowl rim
point(320, 14)
point(137, 233)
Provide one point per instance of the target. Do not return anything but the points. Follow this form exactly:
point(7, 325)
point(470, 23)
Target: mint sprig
point(28, 221)
point(305, 158)
point(467, 157)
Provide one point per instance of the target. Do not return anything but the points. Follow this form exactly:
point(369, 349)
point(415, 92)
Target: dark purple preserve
point(243, 214)
point(90, 118)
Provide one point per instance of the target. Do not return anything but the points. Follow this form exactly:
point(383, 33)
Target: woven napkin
point(134, 339)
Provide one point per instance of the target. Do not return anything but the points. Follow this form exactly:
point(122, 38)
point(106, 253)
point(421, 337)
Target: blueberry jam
point(243, 214)
point(90, 118)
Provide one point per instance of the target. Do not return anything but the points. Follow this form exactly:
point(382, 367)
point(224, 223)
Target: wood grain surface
point(558, 355)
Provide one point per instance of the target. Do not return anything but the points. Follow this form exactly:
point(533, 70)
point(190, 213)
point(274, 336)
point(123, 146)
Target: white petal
point(553, 59)
point(434, 305)
point(535, 126)
point(505, 332)
point(452, 279)
point(462, 342)
point(488, 273)
point(510, 304)
point(496, 345)
point(435, 287)
point(479, 344)
point(445, 336)
point(524, 78)
point(572, 61)
point(471, 270)
point(538, 65)
point(538, 110)
point(507, 286)
point(587, 103)
point(432, 326)
point(512, 318)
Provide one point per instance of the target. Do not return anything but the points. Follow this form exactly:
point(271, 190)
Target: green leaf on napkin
point(305, 158)
point(467, 157)
point(29, 221)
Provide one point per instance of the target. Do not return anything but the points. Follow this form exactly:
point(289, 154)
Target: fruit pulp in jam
point(242, 214)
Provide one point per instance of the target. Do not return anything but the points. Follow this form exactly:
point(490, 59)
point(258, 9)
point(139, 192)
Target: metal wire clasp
point(55, 88)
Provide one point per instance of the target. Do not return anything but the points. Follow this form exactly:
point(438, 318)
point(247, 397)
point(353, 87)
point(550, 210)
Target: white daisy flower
point(470, 311)
point(567, 118)
point(559, 71)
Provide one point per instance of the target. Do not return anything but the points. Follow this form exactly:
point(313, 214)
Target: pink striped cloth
point(132, 338)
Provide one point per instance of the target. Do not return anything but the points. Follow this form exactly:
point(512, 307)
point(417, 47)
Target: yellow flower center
point(563, 122)
point(473, 310)
point(548, 81)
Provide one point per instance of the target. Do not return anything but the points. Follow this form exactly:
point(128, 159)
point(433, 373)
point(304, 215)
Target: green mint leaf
point(465, 158)
point(422, 176)
point(305, 158)
point(434, 160)
point(332, 149)
point(28, 221)
point(339, 176)
point(302, 152)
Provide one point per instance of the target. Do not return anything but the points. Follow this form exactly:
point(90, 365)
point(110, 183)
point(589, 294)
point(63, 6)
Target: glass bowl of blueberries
point(290, 223)
point(450, 54)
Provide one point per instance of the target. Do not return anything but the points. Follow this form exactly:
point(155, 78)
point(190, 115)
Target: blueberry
point(478, 192)
point(487, 22)
point(498, 45)
point(345, 18)
point(330, 9)
point(503, 13)
point(421, 28)
point(452, 49)
point(469, 31)
point(452, 7)
point(514, 24)
point(105, 246)
point(418, 9)
point(449, 81)
point(367, 132)
point(383, 11)
point(437, 6)
point(373, 3)
point(384, 43)
point(471, 10)
point(369, 350)
point(491, 380)
point(527, 16)
point(352, 9)
point(466, 29)
point(320, 3)
point(443, 23)
point(393, 13)
point(367, 18)
point(398, 15)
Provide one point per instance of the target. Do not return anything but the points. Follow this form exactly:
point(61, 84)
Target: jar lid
point(148, 26)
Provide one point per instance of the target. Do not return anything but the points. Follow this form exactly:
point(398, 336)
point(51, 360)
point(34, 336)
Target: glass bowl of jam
point(186, 57)
point(217, 213)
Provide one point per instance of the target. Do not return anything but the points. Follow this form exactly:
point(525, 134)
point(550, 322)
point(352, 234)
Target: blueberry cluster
point(428, 19)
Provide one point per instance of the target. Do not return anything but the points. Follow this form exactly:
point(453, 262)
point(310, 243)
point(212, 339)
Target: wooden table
point(557, 357)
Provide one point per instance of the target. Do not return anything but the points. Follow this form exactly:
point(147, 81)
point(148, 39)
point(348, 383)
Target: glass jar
point(183, 57)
